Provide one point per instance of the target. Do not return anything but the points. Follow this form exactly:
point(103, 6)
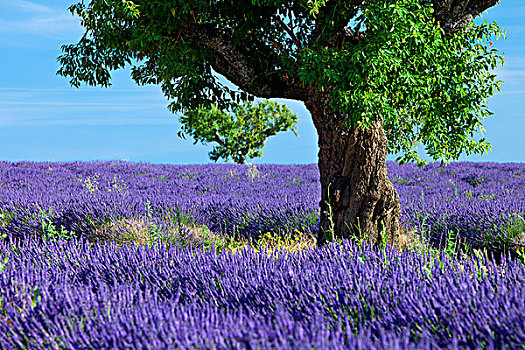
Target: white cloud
point(28, 6)
point(29, 18)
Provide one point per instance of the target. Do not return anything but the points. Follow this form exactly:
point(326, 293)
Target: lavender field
point(69, 280)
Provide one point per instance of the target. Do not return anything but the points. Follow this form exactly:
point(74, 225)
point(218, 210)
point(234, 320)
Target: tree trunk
point(358, 200)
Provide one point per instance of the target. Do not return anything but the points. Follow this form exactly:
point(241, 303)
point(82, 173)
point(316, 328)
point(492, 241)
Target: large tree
point(378, 77)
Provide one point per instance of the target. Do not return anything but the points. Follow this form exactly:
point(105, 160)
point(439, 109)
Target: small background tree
point(240, 133)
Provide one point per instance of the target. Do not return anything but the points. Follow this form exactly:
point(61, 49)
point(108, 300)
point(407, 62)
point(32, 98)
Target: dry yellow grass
point(139, 230)
point(409, 240)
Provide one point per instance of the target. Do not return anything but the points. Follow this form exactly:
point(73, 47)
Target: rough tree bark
point(357, 200)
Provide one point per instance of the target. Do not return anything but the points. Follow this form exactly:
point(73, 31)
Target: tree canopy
point(240, 133)
point(429, 88)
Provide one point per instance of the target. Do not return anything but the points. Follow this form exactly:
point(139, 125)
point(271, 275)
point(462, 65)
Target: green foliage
point(510, 233)
point(521, 255)
point(241, 133)
point(161, 178)
point(315, 5)
point(49, 230)
point(3, 263)
point(153, 229)
point(330, 232)
point(6, 217)
point(188, 175)
point(427, 88)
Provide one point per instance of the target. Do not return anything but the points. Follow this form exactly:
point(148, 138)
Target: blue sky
point(42, 118)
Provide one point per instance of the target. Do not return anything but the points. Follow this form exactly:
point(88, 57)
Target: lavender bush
point(481, 204)
point(231, 199)
point(67, 282)
point(76, 296)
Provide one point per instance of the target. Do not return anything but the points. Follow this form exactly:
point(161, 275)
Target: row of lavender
point(482, 203)
point(76, 296)
point(477, 201)
point(227, 198)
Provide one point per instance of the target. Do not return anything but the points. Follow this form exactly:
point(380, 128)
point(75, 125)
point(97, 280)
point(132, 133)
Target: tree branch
point(219, 139)
point(176, 42)
point(454, 15)
point(229, 61)
point(346, 35)
point(260, 143)
point(338, 20)
point(289, 31)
